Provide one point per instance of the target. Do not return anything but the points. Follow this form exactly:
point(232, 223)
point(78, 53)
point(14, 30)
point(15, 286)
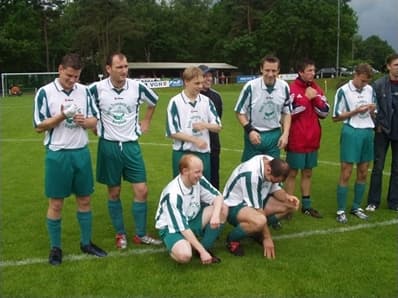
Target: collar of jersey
point(186, 99)
point(353, 88)
point(61, 89)
point(184, 190)
point(118, 90)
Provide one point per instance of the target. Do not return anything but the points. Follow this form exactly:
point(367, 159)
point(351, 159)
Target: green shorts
point(119, 159)
point(169, 239)
point(268, 145)
point(205, 157)
point(356, 144)
point(233, 214)
point(68, 171)
point(302, 161)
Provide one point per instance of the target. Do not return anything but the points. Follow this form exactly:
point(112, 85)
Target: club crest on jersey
point(118, 112)
point(268, 110)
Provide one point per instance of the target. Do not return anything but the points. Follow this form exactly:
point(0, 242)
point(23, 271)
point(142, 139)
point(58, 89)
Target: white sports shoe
point(359, 213)
point(371, 208)
point(146, 240)
point(341, 217)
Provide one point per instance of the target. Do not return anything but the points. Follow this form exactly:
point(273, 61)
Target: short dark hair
point(365, 69)
point(109, 58)
point(270, 59)
point(303, 63)
point(72, 60)
point(279, 168)
point(391, 58)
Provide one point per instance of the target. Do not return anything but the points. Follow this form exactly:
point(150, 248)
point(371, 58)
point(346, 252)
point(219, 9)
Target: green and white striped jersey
point(48, 101)
point(348, 98)
point(182, 113)
point(247, 184)
point(264, 105)
point(120, 109)
point(179, 204)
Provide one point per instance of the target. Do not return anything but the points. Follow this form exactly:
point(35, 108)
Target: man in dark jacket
point(386, 134)
point(215, 146)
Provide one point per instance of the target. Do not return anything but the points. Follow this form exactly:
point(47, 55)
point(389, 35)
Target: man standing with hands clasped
point(355, 106)
point(309, 105)
point(64, 109)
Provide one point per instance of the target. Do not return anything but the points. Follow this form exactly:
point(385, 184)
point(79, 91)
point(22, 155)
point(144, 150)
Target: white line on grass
point(159, 250)
point(336, 230)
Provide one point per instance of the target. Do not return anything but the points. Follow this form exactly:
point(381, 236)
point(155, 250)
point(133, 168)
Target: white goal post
point(27, 81)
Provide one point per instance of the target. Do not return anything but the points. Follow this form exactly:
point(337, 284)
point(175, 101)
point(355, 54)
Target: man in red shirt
point(309, 105)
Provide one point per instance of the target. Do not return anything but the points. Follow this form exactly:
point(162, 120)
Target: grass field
point(315, 258)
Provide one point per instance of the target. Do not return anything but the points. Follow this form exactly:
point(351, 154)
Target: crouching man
point(256, 200)
point(190, 208)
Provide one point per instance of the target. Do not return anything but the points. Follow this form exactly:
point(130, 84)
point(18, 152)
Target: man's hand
point(282, 142)
point(254, 137)
point(310, 93)
point(70, 111)
point(201, 144)
point(205, 257)
point(293, 200)
point(269, 249)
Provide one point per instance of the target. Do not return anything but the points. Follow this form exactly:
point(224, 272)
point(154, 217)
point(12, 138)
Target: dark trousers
point(381, 144)
point(215, 167)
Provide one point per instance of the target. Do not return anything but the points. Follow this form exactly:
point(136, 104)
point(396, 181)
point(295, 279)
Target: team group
point(192, 211)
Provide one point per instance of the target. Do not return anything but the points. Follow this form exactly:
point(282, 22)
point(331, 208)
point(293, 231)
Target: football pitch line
point(152, 250)
point(324, 162)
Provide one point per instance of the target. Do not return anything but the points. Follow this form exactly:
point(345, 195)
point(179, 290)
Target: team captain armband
point(248, 128)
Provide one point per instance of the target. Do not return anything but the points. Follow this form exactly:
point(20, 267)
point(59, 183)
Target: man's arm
point(282, 196)
point(50, 123)
point(181, 136)
point(286, 122)
point(147, 119)
point(203, 253)
point(215, 217)
point(252, 133)
point(268, 243)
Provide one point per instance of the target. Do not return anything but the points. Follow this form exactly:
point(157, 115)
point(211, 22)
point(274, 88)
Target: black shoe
point(276, 225)
point(214, 259)
point(55, 257)
point(93, 249)
point(311, 212)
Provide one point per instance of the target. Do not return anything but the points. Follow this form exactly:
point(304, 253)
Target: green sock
point(272, 219)
point(341, 197)
point(306, 201)
point(236, 234)
point(85, 220)
point(210, 235)
point(139, 211)
point(54, 232)
point(359, 190)
point(115, 209)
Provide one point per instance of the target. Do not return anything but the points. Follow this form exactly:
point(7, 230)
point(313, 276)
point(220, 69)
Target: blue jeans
point(381, 144)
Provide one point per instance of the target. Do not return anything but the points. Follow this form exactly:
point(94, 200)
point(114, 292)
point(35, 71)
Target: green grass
point(317, 258)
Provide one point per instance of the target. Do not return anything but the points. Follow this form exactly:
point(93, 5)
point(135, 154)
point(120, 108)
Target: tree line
point(35, 34)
